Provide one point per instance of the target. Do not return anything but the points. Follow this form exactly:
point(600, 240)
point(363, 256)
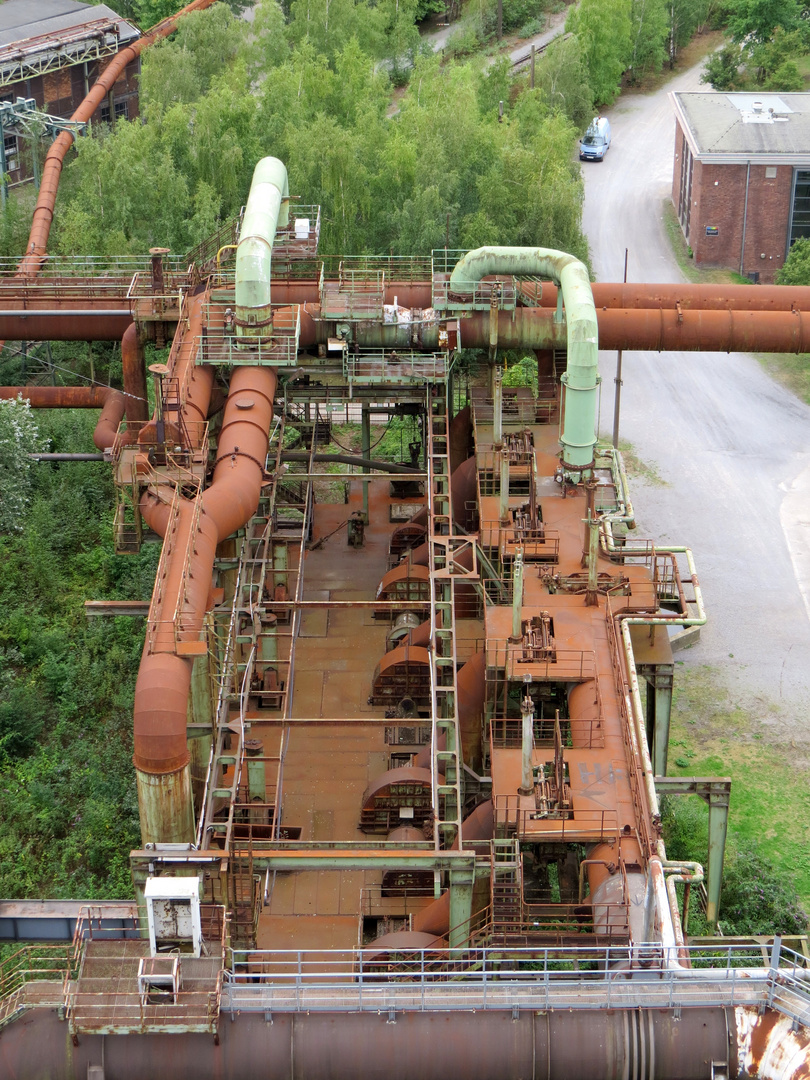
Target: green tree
point(773, 54)
point(19, 437)
point(796, 270)
point(561, 80)
point(604, 30)
point(650, 33)
point(786, 79)
point(755, 20)
point(722, 69)
point(182, 68)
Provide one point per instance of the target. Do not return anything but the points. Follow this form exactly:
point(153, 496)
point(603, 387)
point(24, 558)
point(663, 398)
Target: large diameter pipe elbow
point(581, 377)
point(112, 413)
point(161, 696)
point(267, 209)
point(242, 450)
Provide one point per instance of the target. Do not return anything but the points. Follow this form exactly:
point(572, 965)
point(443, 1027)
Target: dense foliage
point(309, 82)
point(796, 270)
point(767, 41)
point(216, 100)
point(758, 897)
point(67, 794)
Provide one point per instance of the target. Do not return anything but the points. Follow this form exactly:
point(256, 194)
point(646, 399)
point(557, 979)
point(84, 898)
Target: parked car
point(595, 143)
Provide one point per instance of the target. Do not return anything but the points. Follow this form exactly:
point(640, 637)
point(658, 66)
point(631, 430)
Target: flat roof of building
point(24, 19)
point(742, 127)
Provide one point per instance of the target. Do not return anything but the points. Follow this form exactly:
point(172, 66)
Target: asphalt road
point(732, 446)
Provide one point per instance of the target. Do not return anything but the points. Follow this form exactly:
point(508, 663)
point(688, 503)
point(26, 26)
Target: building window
point(800, 206)
point(10, 146)
point(121, 111)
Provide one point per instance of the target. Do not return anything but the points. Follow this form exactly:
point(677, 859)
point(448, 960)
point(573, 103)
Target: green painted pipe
point(581, 377)
point(268, 207)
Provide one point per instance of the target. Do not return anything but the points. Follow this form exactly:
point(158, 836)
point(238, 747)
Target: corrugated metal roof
point(746, 125)
point(22, 19)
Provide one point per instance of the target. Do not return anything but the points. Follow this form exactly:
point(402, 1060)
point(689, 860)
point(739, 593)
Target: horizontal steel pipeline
point(383, 1045)
point(53, 325)
point(607, 294)
point(689, 297)
point(643, 329)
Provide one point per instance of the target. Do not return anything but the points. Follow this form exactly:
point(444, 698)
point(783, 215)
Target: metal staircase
point(506, 890)
point(447, 793)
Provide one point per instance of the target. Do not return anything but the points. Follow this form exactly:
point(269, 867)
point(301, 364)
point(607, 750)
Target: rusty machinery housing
point(404, 728)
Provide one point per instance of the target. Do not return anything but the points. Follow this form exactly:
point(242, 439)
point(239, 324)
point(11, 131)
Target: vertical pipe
point(592, 593)
point(517, 597)
point(497, 404)
point(745, 218)
point(581, 378)
point(617, 397)
point(527, 741)
point(267, 209)
point(366, 440)
point(504, 485)
point(136, 403)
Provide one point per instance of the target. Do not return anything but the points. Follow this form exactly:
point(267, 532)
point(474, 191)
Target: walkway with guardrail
point(420, 980)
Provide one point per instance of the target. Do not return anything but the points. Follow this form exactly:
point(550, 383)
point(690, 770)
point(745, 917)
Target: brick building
point(741, 179)
point(53, 51)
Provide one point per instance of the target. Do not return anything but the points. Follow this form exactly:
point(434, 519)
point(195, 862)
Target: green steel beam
point(715, 791)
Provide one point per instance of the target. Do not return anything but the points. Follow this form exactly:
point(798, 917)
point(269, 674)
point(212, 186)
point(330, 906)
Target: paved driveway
point(731, 445)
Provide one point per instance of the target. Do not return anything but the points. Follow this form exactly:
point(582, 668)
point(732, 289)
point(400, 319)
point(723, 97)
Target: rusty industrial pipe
point(643, 329)
point(164, 679)
point(110, 401)
point(52, 168)
point(688, 297)
point(137, 404)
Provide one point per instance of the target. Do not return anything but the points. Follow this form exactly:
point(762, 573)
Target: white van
point(595, 143)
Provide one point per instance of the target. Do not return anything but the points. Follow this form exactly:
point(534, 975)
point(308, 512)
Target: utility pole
point(617, 399)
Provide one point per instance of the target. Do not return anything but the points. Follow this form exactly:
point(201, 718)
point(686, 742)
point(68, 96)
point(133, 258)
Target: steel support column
point(365, 435)
point(715, 791)
point(659, 678)
point(461, 897)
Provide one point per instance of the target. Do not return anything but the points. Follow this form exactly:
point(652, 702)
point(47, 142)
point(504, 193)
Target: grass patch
point(634, 466)
point(680, 250)
point(711, 735)
point(790, 370)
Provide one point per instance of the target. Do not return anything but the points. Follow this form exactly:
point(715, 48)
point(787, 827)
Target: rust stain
point(768, 1047)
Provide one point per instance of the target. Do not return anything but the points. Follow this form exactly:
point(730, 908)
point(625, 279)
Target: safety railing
point(393, 366)
point(643, 976)
point(299, 239)
point(579, 734)
point(569, 665)
point(519, 408)
point(177, 455)
point(107, 992)
point(34, 976)
point(514, 818)
point(120, 1002)
point(220, 344)
point(83, 277)
point(480, 295)
point(144, 286)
